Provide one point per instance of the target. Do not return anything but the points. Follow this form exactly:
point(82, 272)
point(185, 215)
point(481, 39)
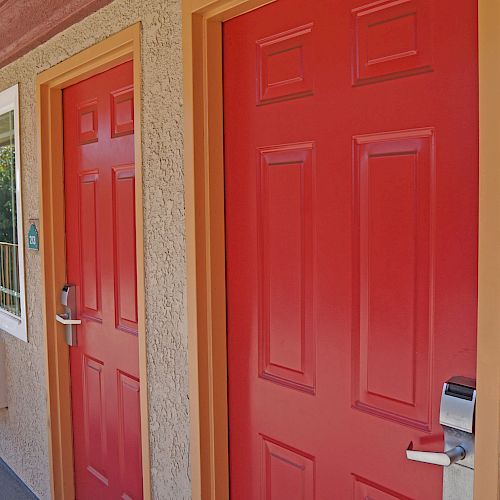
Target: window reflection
point(10, 296)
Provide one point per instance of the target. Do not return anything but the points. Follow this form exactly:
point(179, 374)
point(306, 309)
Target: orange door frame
point(118, 48)
point(204, 174)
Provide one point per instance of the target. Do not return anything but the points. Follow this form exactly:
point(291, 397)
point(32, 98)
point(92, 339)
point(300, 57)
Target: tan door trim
point(488, 339)
point(204, 177)
point(118, 48)
point(202, 45)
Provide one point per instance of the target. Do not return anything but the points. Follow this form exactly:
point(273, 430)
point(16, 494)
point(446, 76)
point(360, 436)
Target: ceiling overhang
point(25, 24)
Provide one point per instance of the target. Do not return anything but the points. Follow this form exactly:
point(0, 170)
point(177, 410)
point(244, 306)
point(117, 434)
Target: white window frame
point(10, 323)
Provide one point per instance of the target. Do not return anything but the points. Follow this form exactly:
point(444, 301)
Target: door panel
point(351, 170)
point(125, 256)
point(285, 229)
point(393, 217)
point(101, 255)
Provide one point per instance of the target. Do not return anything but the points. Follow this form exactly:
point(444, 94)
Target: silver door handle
point(64, 320)
point(444, 459)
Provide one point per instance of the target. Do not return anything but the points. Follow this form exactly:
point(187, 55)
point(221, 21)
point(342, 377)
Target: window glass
point(10, 293)
point(12, 290)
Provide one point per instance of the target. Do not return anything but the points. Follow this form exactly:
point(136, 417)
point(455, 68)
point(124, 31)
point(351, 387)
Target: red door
point(101, 255)
point(351, 159)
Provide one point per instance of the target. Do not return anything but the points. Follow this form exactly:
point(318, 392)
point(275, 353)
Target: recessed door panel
point(125, 255)
point(285, 65)
point(392, 39)
point(89, 252)
point(367, 490)
point(129, 420)
point(286, 233)
point(286, 473)
point(95, 419)
point(394, 213)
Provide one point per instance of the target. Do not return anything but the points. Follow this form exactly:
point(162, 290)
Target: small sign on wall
point(33, 237)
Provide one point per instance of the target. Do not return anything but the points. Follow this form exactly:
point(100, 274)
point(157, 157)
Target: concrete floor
point(11, 487)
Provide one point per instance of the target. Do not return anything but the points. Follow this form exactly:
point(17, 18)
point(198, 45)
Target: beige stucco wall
point(23, 427)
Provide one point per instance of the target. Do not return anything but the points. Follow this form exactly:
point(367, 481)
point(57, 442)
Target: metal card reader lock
point(458, 402)
point(68, 301)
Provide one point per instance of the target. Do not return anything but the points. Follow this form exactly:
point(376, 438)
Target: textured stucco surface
point(23, 427)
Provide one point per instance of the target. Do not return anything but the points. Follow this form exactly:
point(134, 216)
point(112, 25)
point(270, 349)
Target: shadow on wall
point(11, 487)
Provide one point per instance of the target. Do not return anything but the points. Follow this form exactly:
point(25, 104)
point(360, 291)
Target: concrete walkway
point(11, 487)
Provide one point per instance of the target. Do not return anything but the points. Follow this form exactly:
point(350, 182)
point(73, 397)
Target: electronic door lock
point(68, 301)
point(458, 403)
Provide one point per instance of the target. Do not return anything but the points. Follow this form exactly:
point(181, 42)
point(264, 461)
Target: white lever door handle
point(445, 459)
point(66, 321)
